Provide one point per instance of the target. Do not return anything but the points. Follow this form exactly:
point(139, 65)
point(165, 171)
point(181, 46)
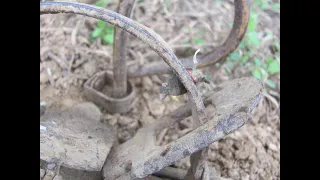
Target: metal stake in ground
point(119, 52)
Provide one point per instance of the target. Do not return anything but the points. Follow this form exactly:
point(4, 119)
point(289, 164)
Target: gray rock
point(75, 138)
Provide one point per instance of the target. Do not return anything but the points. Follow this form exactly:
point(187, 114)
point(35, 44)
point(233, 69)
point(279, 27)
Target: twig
point(74, 33)
point(62, 64)
point(50, 76)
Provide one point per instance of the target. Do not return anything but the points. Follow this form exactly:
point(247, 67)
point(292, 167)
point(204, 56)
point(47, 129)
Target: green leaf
point(110, 30)
point(207, 77)
point(252, 22)
point(269, 60)
point(244, 58)
point(201, 31)
point(242, 44)
point(264, 66)
point(274, 67)
point(263, 6)
point(276, 6)
point(186, 42)
point(96, 33)
point(230, 65)
point(248, 66)
point(270, 83)
point(276, 44)
point(253, 39)
point(228, 70)
point(257, 62)
point(102, 3)
point(108, 38)
point(101, 24)
point(198, 41)
point(257, 73)
point(235, 56)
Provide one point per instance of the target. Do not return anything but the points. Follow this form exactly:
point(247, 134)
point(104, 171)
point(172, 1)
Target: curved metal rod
point(138, 30)
point(240, 23)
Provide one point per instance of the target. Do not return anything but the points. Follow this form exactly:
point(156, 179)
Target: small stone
point(111, 119)
point(51, 166)
point(246, 177)
point(123, 135)
point(57, 75)
point(42, 173)
point(146, 120)
point(156, 79)
point(88, 109)
point(44, 77)
point(222, 178)
point(273, 147)
point(234, 173)
point(145, 95)
point(174, 137)
point(90, 68)
point(134, 124)
point(123, 120)
point(49, 175)
point(156, 107)
point(147, 83)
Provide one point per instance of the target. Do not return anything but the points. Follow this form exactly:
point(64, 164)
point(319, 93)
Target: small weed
point(195, 40)
point(260, 67)
point(103, 30)
point(263, 4)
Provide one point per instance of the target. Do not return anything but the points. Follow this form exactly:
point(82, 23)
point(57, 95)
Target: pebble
point(44, 77)
point(42, 172)
point(156, 107)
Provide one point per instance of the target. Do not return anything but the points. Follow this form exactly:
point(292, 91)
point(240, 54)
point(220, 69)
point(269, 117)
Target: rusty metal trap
point(76, 145)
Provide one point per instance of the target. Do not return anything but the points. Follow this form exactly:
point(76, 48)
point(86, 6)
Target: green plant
point(103, 30)
point(260, 67)
point(195, 40)
point(263, 4)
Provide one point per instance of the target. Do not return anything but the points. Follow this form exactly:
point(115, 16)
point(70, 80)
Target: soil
point(68, 58)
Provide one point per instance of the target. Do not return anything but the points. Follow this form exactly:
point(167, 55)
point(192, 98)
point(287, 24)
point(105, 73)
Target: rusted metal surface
point(233, 102)
point(174, 87)
point(93, 90)
point(138, 30)
point(120, 52)
point(240, 23)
